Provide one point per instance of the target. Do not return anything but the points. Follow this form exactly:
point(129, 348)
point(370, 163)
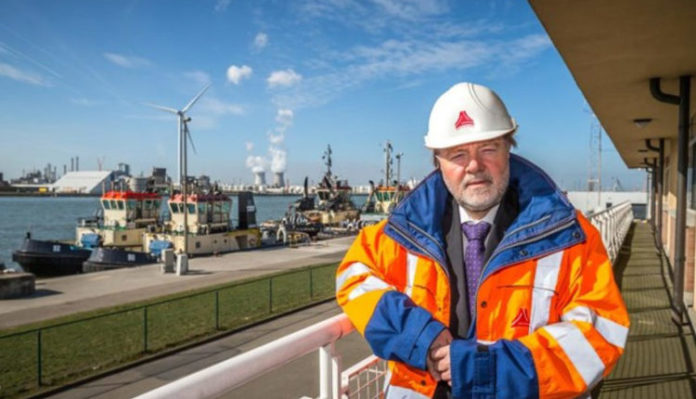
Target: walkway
point(66, 295)
point(660, 355)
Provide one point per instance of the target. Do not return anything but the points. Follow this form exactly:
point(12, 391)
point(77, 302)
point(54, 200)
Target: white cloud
point(260, 41)
point(221, 5)
point(413, 9)
point(409, 59)
point(127, 61)
point(249, 146)
point(235, 74)
point(11, 72)
point(256, 163)
point(285, 78)
point(284, 117)
point(218, 107)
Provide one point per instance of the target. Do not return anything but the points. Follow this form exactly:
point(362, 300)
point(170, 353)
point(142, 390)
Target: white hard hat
point(467, 113)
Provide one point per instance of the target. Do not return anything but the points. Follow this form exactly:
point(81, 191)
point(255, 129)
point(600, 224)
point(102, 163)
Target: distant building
point(85, 182)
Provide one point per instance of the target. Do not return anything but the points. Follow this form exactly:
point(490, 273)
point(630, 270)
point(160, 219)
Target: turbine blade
point(193, 101)
point(162, 108)
point(190, 139)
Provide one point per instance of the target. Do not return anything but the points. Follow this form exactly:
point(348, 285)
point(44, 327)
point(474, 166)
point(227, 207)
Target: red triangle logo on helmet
point(464, 120)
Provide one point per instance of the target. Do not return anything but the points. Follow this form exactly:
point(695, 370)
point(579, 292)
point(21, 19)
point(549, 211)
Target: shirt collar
point(489, 218)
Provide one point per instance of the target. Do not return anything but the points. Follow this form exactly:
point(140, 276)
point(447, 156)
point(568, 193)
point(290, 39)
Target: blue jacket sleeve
point(399, 330)
point(502, 370)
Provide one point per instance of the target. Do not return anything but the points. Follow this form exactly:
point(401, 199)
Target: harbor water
point(55, 218)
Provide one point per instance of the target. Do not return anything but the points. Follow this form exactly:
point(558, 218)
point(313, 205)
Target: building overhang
point(612, 49)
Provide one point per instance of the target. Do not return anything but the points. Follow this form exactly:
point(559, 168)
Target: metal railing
point(363, 380)
point(613, 225)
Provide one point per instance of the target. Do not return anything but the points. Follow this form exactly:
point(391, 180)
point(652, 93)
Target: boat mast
point(398, 168)
point(388, 162)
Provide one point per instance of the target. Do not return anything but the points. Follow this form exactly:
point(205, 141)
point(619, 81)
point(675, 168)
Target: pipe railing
point(613, 225)
point(224, 376)
point(334, 383)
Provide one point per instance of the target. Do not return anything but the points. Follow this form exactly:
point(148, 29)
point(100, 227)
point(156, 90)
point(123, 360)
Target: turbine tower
point(184, 135)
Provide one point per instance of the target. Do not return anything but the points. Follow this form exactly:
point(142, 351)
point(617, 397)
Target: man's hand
point(441, 363)
point(442, 341)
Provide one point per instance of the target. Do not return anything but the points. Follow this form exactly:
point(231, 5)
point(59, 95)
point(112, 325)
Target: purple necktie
point(473, 257)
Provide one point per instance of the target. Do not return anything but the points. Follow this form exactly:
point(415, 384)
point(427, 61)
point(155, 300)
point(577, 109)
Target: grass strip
point(64, 349)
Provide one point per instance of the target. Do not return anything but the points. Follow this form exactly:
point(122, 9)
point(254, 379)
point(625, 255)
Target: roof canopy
point(613, 48)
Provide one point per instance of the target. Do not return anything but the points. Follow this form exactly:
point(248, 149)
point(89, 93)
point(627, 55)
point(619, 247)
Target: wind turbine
point(184, 135)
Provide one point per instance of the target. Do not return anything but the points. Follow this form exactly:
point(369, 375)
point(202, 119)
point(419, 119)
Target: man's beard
point(482, 198)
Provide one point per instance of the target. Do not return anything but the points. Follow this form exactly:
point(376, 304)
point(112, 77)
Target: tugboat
point(126, 216)
point(334, 207)
point(201, 225)
point(50, 258)
point(384, 198)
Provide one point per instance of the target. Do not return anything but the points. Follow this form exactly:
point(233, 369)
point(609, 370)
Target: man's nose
point(474, 165)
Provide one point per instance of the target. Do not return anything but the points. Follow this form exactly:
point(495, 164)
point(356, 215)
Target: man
point(485, 281)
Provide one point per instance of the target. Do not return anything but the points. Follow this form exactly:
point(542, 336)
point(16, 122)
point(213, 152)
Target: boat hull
point(115, 258)
point(50, 258)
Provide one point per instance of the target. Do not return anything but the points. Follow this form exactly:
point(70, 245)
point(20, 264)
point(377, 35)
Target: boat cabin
point(206, 213)
point(128, 209)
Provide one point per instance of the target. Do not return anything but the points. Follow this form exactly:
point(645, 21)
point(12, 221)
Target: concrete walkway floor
point(660, 355)
point(66, 295)
point(293, 380)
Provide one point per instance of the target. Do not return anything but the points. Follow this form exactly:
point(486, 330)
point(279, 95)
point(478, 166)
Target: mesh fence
point(56, 354)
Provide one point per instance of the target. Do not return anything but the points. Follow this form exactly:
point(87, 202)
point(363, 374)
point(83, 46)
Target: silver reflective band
point(545, 280)
point(353, 270)
point(613, 332)
point(579, 351)
point(394, 392)
point(411, 261)
point(371, 283)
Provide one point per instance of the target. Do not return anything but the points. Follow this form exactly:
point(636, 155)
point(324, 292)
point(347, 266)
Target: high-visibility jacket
point(549, 320)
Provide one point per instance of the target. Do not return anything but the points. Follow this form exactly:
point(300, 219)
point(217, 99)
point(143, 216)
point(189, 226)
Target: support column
point(683, 100)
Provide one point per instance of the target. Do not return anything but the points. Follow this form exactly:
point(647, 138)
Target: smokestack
point(72, 164)
point(77, 164)
point(65, 169)
point(260, 178)
point(278, 179)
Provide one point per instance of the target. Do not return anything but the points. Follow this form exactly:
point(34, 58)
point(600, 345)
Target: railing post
point(329, 372)
point(270, 295)
point(311, 284)
point(144, 329)
point(217, 310)
point(39, 366)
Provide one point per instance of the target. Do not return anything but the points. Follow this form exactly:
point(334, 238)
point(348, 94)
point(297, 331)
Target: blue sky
point(287, 78)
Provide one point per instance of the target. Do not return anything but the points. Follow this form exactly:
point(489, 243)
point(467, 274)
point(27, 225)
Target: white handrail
point(613, 225)
point(219, 378)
